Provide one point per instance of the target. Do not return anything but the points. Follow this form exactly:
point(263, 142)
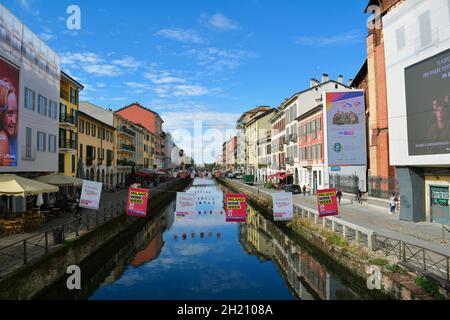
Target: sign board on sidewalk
point(327, 203)
point(90, 195)
point(236, 207)
point(137, 202)
point(186, 205)
point(283, 206)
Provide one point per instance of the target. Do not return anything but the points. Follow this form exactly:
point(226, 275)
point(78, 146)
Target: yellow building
point(96, 138)
point(68, 131)
point(125, 148)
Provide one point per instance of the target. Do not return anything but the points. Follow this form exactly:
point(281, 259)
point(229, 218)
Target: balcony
point(125, 163)
point(127, 148)
point(64, 95)
point(99, 162)
point(89, 161)
point(281, 147)
point(290, 161)
point(67, 145)
point(293, 137)
point(128, 132)
point(67, 120)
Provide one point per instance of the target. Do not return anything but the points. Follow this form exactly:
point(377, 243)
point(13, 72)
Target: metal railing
point(22, 252)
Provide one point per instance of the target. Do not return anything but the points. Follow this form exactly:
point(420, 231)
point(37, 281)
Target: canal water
point(206, 258)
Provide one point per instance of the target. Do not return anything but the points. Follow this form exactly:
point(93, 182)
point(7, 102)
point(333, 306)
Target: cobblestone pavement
point(428, 235)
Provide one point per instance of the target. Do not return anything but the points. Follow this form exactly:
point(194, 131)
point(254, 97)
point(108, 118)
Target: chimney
point(312, 83)
point(341, 79)
point(325, 78)
point(350, 81)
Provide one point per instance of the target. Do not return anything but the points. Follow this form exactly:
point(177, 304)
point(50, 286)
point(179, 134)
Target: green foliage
point(269, 185)
point(337, 240)
point(395, 268)
point(429, 286)
point(378, 262)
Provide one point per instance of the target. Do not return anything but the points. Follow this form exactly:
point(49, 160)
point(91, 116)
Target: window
point(42, 105)
point(88, 128)
point(401, 42)
point(61, 162)
point(319, 124)
point(30, 99)
point(52, 109)
point(94, 129)
point(73, 96)
point(73, 163)
point(99, 132)
point(99, 154)
point(81, 151)
point(28, 142)
point(319, 151)
point(103, 134)
point(41, 137)
point(112, 137)
point(103, 153)
point(52, 143)
point(107, 135)
point(81, 126)
point(425, 29)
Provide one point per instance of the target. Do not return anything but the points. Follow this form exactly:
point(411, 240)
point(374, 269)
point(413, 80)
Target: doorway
point(439, 205)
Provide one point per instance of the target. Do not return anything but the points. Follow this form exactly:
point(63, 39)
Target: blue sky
point(207, 60)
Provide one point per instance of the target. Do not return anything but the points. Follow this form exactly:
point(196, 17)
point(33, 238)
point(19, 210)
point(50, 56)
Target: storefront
point(437, 199)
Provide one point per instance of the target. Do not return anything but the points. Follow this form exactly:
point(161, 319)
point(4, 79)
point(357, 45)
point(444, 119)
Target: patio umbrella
point(16, 186)
point(59, 179)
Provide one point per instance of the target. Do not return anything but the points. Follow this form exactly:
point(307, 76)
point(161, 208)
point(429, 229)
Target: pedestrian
point(392, 204)
point(360, 195)
point(339, 196)
point(304, 190)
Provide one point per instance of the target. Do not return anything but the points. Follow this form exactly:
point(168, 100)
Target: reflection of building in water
point(303, 274)
point(150, 253)
point(170, 215)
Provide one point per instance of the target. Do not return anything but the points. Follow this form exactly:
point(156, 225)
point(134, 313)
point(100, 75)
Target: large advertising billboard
point(428, 105)
point(9, 114)
point(346, 122)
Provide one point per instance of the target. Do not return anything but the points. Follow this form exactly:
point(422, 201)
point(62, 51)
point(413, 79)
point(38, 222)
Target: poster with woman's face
point(9, 114)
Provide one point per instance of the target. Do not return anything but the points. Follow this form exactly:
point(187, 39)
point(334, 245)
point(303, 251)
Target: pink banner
point(236, 207)
point(327, 203)
point(137, 202)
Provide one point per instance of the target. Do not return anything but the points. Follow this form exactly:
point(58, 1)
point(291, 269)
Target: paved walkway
point(376, 218)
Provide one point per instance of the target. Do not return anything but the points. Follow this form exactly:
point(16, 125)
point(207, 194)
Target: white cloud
point(128, 63)
point(181, 35)
point(137, 85)
point(163, 78)
point(102, 70)
point(345, 38)
point(46, 36)
point(189, 90)
point(216, 59)
point(221, 22)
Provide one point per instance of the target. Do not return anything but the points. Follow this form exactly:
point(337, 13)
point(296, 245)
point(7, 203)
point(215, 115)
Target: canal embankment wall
point(33, 278)
point(394, 285)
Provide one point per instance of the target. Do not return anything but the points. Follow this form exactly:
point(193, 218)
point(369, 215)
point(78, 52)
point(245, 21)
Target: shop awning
point(16, 186)
point(58, 179)
point(284, 176)
point(276, 175)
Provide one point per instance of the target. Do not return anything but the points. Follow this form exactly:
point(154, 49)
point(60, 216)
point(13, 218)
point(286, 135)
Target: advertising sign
point(9, 115)
point(327, 203)
point(236, 207)
point(427, 86)
point(346, 132)
point(90, 194)
point(137, 202)
point(283, 206)
point(186, 205)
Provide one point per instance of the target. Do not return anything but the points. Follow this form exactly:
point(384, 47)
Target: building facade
point(231, 153)
point(68, 125)
point(96, 140)
point(278, 137)
point(125, 148)
point(417, 42)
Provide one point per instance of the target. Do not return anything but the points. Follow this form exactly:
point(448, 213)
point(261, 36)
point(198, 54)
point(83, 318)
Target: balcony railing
point(125, 147)
point(68, 144)
point(125, 163)
point(127, 131)
point(89, 161)
point(99, 162)
point(65, 118)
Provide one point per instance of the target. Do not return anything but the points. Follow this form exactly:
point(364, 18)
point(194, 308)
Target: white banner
point(283, 206)
point(90, 195)
point(186, 205)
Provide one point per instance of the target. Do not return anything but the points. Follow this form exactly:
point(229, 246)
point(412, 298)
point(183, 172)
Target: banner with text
point(283, 206)
point(236, 207)
point(137, 202)
point(186, 205)
point(90, 194)
point(327, 203)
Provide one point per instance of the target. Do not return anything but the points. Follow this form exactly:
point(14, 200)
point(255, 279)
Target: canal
point(206, 258)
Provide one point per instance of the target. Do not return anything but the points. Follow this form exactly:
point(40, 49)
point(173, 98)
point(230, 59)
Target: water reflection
point(205, 257)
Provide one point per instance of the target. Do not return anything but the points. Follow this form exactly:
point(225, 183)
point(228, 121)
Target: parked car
point(295, 189)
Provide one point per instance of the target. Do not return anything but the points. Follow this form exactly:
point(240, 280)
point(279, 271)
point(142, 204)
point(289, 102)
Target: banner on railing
point(327, 203)
point(137, 202)
point(236, 207)
point(90, 194)
point(186, 205)
point(283, 206)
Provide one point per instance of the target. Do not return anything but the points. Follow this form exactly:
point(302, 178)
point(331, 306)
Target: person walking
point(392, 204)
point(304, 190)
point(339, 196)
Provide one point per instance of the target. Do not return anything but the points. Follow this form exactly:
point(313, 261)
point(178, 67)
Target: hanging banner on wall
point(90, 194)
point(137, 202)
point(327, 203)
point(236, 207)
point(186, 205)
point(283, 207)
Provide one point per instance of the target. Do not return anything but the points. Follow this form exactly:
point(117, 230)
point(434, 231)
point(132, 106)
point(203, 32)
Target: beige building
point(125, 148)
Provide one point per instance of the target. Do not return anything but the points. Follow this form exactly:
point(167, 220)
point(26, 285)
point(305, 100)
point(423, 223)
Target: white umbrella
point(39, 202)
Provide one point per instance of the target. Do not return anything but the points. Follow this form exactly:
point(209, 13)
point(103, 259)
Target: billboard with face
point(346, 122)
point(428, 105)
point(9, 115)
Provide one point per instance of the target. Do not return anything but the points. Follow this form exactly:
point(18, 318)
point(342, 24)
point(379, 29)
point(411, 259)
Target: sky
point(200, 63)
